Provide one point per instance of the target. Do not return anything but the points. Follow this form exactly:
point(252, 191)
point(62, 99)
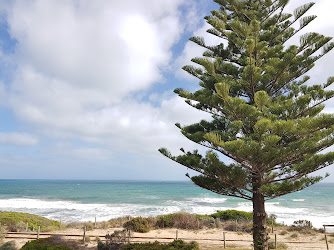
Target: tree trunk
point(259, 220)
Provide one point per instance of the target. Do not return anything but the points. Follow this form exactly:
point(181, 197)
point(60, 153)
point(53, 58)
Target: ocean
point(79, 200)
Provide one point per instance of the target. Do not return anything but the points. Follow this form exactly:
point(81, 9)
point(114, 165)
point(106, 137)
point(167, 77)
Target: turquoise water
point(77, 200)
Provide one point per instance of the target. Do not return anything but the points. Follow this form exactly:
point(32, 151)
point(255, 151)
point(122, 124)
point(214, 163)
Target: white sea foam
point(75, 211)
point(208, 200)
point(298, 199)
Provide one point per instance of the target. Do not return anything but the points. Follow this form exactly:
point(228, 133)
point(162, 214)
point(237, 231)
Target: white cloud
point(192, 50)
point(79, 62)
point(323, 25)
point(18, 139)
point(105, 46)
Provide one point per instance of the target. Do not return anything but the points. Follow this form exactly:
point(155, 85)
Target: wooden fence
point(223, 241)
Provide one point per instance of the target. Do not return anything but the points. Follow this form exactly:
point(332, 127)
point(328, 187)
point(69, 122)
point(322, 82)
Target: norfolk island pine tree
point(265, 115)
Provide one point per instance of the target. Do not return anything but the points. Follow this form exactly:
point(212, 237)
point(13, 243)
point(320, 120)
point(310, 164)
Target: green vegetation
point(294, 236)
point(43, 244)
point(180, 220)
point(283, 232)
point(51, 243)
point(266, 117)
point(10, 245)
point(279, 245)
point(233, 215)
point(176, 244)
point(16, 222)
point(138, 224)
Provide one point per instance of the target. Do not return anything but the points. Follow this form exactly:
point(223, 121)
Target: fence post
point(177, 234)
point(84, 235)
point(272, 226)
point(275, 241)
point(326, 237)
point(60, 223)
point(27, 227)
point(39, 229)
point(224, 239)
point(95, 222)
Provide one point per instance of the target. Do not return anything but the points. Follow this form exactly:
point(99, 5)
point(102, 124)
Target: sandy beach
point(207, 239)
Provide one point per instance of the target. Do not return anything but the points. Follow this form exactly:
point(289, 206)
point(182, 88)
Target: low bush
point(10, 245)
point(114, 241)
point(184, 221)
point(233, 215)
point(19, 226)
point(89, 225)
point(15, 220)
point(294, 236)
point(51, 243)
point(283, 232)
point(279, 245)
point(118, 237)
point(138, 224)
point(238, 226)
point(176, 244)
point(302, 226)
point(118, 222)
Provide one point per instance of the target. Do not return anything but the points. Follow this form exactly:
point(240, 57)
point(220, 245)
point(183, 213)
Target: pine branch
point(216, 178)
point(229, 155)
point(312, 107)
point(297, 176)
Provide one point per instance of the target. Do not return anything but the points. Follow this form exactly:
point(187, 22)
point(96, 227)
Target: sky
point(86, 87)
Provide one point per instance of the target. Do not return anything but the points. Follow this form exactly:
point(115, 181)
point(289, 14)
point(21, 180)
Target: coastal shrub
point(210, 223)
point(138, 224)
point(238, 226)
point(180, 220)
point(89, 225)
point(294, 235)
point(41, 245)
point(11, 218)
point(51, 243)
point(102, 225)
point(233, 215)
point(165, 221)
point(279, 245)
point(302, 224)
point(19, 226)
point(176, 244)
point(118, 236)
point(283, 232)
point(114, 241)
point(184, 221)
point(119, 222)
point(87, 239)
point(10, 245)
point(75, 224)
